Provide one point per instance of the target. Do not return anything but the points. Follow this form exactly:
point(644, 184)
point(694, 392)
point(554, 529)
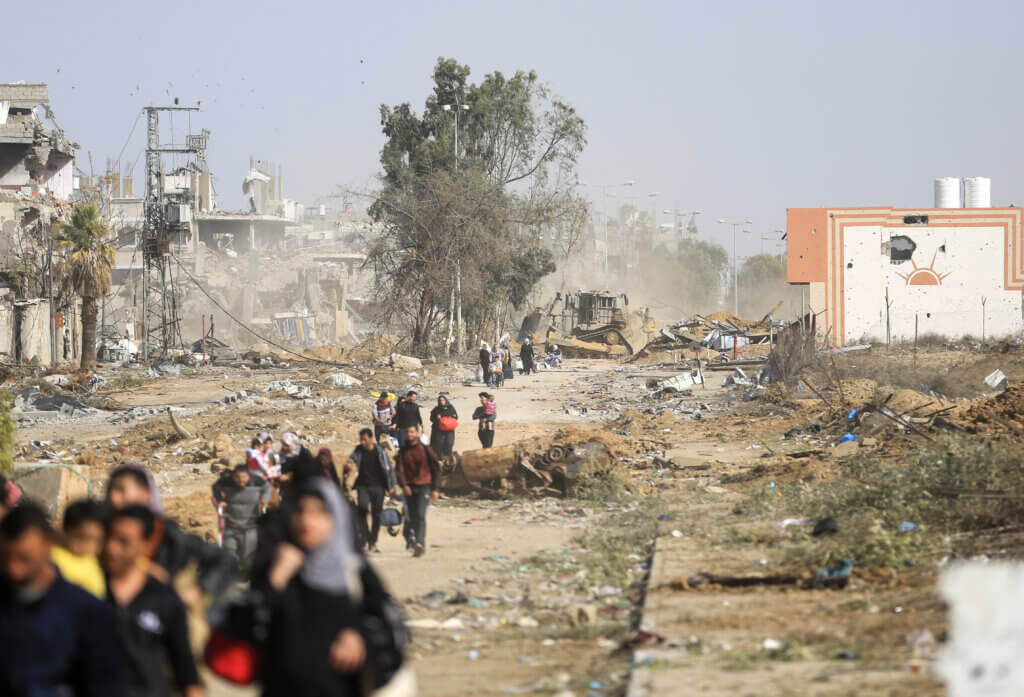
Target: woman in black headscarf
point(442, 428)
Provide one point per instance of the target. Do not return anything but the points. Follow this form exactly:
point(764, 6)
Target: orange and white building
point(955, 271)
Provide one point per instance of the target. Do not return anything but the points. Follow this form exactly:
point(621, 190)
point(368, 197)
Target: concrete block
point(52, 486)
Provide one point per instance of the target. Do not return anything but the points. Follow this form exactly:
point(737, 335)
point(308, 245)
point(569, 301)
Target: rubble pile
point(716, 337)
point(518, 468)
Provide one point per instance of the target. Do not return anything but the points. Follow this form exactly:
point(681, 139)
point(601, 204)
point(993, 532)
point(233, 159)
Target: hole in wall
point(900, 249)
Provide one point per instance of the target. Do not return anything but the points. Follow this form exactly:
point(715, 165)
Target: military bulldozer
point(590, 324)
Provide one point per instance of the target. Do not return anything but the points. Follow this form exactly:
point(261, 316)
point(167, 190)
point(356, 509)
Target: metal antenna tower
point(168, 217)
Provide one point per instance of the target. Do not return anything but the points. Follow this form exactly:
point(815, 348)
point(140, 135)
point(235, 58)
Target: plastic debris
point(825, 526)
point(996, 380)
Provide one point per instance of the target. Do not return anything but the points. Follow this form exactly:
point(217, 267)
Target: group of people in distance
point(101, 608)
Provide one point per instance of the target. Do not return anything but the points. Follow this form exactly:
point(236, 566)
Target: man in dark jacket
point(151, 622)
point(419, 475)
point(407, 414)
point(376, 477)
point(56, 638)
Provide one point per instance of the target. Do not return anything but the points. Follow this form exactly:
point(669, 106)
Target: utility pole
point(457, 107)
point(49, 292)
point(735, 271)
point(158, 293)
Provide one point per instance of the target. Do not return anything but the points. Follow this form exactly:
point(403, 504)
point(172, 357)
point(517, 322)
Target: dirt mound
point(1006, 409)
point(324, 353)
point(377, 346)
point(915, 403)
point(194, 513)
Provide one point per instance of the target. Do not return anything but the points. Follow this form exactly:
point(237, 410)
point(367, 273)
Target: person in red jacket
point(419, 475)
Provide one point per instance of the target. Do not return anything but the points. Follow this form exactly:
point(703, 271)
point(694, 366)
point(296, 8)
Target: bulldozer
point(590, 324)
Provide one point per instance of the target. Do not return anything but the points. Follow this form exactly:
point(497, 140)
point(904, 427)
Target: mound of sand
point(376, 346)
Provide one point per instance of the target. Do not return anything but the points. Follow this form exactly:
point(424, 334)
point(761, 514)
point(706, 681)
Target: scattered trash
point(843, 570)
point(161, 369)
point(677, 533)
point(846, 656)
point(847, 438)
point(474, 655)
point(996, 380)
point(853, 413)
point(907, 526)
point(770, 644)
point(792, 521)
point(825, 526)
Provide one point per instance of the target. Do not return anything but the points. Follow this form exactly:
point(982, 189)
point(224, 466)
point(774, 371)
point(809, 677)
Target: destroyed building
point(37, 184)
point(892, 273)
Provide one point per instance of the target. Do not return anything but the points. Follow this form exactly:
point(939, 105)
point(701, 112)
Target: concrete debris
point(405, 363)
point(165, 368)
point(57, 380)
point(31, 399)
point(216, 348)
point(290, 388)
point(342, 380)
point(178, 428)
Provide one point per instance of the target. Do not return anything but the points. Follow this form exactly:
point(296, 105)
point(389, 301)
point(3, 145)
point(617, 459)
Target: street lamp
point(677, 216)
point(605, 195)
point(456, 107)
point(735, 282)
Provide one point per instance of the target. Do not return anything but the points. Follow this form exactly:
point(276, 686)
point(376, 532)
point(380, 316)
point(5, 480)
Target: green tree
point(469, 219)
point(87, 261)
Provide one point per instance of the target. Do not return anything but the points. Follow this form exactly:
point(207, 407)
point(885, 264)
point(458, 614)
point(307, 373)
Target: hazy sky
point(740, 109)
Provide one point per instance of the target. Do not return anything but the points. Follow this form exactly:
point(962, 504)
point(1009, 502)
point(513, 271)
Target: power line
point(246, 327)
point(128, 139)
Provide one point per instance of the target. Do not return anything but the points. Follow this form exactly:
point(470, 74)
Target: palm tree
point(87, 262)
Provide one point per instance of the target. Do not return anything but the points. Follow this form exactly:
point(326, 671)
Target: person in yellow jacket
point(78, 559)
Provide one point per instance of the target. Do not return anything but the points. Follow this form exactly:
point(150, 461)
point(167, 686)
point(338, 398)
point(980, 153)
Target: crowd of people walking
point(99, 608)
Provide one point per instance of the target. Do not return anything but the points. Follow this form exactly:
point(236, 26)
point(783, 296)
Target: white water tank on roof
point(977, 192)
point(947, 192)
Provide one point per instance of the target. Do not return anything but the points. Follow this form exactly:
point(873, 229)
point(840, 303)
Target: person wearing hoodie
point(376, 477)
point(170, 549)
point(442, 433)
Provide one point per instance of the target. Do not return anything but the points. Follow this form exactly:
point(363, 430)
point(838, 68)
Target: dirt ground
point(494, 604)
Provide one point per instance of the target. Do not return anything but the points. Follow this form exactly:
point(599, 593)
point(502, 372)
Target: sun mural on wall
point(925, 275)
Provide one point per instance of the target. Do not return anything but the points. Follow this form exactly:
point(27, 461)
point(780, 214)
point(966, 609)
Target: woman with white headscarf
point(314, 646)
